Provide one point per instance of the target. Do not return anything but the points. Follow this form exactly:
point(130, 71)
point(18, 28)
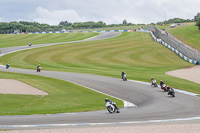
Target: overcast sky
point(108, 11)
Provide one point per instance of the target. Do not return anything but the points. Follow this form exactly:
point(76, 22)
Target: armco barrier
point(171, 48)
point(187, 50)
point(78, 31)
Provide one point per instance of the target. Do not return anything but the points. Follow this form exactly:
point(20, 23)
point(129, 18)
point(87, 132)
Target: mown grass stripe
point(135, 53)
point(11, 40)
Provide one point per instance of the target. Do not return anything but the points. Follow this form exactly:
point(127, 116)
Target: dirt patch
point(191, 74)
point(10, 86)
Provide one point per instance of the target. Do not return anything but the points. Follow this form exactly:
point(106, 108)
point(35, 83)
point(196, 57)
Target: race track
point(152, 103)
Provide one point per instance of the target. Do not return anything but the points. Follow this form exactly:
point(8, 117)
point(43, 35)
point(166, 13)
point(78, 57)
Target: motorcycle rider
point(168, 88)
point(30, 43)
point(38, 67)
point(111, 102)
point(161, 83)
point(171, 90)
point(152, 80)
point(123, 73)
point(7, 65)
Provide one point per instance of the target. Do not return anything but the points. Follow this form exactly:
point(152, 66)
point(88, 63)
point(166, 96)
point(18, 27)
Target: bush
point(198, 22)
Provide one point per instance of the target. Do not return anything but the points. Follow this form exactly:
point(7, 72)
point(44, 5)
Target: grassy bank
point(135, 53)
point(161, 27)
point(63, 97)
point(190, 34)
point(11, 40)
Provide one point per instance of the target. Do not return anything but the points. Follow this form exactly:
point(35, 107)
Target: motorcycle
point(165, 87)
point(124, 77)
point(171, 92)
point(111, 107)
point(154, 83)
point(38, 69)
point(7, 66)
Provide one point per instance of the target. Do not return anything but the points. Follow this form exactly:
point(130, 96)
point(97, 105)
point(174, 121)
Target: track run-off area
point(152, 104)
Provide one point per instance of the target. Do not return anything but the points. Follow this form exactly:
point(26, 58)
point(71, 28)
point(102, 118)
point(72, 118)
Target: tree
point(124, 22)
point(65, 23)
point(198, 22)
point(196, 17)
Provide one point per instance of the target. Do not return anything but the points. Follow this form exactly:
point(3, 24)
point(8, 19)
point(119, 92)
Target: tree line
point(175, 20)
point(179, 20)
point(24, 26)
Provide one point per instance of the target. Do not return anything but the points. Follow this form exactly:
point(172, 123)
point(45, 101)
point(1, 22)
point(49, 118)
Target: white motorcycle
point(154, 83)
point(111, 107)
point(124, 77)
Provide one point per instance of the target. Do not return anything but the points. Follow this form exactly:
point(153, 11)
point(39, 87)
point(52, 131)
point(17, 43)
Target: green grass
point(163, 26)
point(3, 130)
point(135, 53)
point(11, 40)
point(63, 97)
point(190, 34)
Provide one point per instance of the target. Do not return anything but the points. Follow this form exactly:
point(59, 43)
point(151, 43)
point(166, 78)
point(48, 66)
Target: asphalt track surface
point(152, 103)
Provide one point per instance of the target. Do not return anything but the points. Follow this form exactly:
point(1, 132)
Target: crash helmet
point(106, 99)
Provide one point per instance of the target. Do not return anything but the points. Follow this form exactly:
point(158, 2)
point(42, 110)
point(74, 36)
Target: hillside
point(188, 34)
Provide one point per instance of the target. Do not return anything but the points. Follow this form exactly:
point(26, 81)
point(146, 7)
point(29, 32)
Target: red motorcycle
point(165, 87)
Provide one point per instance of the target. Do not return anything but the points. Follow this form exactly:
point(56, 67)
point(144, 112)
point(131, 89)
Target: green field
point(11, 40)
point(63, 97)
point(190, 34)
point(135, 53)
point(163, 26)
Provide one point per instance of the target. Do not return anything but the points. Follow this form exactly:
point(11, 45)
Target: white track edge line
point(93, 124)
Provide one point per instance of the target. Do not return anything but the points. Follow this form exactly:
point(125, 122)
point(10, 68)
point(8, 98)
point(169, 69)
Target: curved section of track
point(152, 103)
point(103, 35)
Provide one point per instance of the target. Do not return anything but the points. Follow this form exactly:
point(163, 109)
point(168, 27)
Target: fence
point(175, 43)
point(50, 30)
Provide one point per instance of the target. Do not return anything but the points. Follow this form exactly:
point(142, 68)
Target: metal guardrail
point(175, 43)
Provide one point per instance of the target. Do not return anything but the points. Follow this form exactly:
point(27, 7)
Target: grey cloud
point(111, 11)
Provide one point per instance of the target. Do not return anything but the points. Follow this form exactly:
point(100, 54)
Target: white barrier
point(170, 47)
